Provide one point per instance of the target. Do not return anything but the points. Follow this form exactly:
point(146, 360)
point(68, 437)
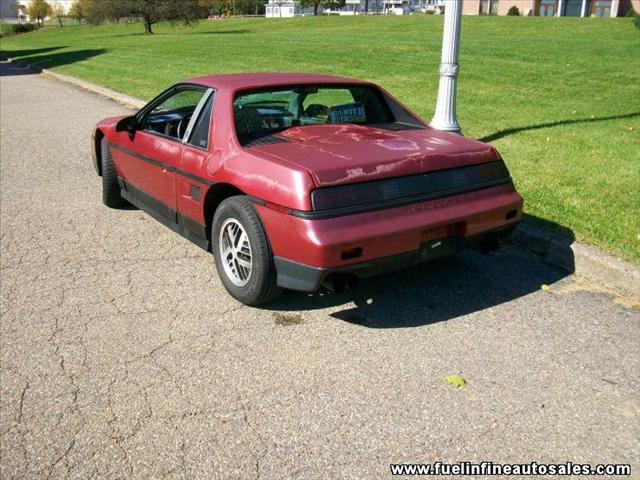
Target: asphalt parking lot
point(123, 356)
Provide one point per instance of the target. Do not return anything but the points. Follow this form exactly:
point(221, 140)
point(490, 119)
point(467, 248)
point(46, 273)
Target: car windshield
point(264, 112)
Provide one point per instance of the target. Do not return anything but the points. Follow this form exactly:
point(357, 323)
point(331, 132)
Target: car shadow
point(512, 131)
point(463, 284)
point(24, 62)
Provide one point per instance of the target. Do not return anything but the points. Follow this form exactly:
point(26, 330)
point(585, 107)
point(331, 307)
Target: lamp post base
point(449, 128)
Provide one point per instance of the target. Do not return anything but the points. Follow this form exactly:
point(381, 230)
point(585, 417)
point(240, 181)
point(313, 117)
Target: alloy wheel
point(235, 252)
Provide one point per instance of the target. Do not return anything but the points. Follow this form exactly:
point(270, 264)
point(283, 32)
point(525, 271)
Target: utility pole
point(445, 116)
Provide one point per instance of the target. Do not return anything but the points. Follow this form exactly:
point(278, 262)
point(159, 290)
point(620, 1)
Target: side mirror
point(127, 124)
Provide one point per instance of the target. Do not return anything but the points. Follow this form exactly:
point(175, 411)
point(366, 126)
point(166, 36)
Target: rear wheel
point(110, 189)
point(242, 253)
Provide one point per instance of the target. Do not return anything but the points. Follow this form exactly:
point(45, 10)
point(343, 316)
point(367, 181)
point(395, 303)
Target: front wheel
point(242, 253)
point(110, 189)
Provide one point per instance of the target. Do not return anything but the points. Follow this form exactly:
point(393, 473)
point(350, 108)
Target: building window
point(572, 8)
point(546, 8)
point(601, 8)
point(488, 7)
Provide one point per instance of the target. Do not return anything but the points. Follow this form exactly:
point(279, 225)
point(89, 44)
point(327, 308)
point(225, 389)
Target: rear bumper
point(297, 276)
point(362, 243)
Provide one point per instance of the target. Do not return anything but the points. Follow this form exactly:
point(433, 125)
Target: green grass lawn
point(559, 97)
point(5, 28)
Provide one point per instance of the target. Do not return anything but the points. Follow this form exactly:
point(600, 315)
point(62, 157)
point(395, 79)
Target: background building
point(552, 8)
point(279, 9)
point(396, 7)
point(16, 11)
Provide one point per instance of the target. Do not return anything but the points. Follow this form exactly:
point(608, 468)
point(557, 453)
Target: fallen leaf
point(545, 287)
point(455, 381)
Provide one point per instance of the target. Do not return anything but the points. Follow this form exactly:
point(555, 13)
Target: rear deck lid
point(347, 153)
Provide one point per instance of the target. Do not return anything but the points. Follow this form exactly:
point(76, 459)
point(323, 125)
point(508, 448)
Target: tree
point(76, 11)
point(212, 7)
point(324, 3)
point(513, 11)
point(333, 4)
point(311, 3)
point(154, 11)
point(92, 11)
point(58, 12)
point(38, 10)
point(115, 10)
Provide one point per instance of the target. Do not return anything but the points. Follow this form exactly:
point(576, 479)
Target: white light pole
point(445, 116)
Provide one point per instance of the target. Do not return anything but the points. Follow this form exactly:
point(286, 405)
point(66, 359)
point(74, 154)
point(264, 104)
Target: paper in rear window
point(347, 113)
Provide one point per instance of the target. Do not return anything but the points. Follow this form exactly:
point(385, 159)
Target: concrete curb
point(121, 98)
point(561, 252)
point(126, 100)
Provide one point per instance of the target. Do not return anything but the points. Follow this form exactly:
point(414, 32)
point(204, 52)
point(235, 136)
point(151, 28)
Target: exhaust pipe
point(339, 282)
point(487, 245)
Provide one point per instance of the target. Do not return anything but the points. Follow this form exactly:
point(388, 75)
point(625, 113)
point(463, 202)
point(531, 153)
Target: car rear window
point(264, 112)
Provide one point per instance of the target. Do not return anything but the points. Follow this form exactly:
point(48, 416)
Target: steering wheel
point(183, 123)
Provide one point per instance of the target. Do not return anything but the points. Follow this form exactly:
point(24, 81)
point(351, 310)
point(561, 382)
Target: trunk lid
point(342, 154)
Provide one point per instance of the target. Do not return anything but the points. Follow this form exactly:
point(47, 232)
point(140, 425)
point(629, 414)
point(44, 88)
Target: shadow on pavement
point(42, 58)
point(16, 54)
point(433, 292)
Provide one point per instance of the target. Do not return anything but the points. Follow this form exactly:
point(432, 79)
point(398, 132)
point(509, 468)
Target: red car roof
point(242, 81)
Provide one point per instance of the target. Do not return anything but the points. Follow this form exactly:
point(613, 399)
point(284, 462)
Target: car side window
point(171, 116)
point(200, 134)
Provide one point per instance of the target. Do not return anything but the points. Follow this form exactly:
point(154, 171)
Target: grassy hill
point(558, 97)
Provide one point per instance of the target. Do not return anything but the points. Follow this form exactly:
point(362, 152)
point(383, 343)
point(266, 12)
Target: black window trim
point(174, 89)
point(209, 94)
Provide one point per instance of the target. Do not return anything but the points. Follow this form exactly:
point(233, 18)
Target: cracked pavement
point(122, 356)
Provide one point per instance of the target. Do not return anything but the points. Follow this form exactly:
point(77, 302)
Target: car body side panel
point(148, 162)
point(271, 179)
point(191, 183)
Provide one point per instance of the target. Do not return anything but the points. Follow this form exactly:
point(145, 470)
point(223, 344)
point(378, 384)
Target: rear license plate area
point(436, 248)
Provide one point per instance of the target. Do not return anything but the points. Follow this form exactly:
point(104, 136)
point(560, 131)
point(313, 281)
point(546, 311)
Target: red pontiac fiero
point(299, 180)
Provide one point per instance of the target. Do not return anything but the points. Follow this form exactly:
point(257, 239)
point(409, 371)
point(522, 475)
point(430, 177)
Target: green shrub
point(513, 11)
point(636, 21)
point(24, 27)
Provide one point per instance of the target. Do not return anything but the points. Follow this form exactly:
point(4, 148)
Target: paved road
point(122, 356)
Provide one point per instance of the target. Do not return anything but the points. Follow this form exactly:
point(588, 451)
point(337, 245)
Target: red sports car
point(299, 180)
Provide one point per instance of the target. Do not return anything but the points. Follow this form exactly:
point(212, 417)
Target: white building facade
point(279, 9)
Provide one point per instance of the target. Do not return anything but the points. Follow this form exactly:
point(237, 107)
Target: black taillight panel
point(424, 184)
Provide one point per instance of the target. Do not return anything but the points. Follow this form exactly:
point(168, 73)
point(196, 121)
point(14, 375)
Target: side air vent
point(267, 140)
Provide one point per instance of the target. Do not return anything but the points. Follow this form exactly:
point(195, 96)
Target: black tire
point(110, 189)
point(261, 285)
